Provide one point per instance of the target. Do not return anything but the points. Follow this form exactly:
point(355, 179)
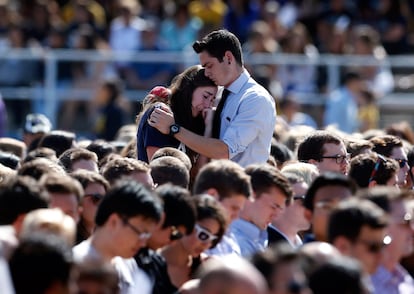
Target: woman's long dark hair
point(182, 89)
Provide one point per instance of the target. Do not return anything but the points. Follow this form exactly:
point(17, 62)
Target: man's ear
point(343, 245)
point(213, 192)
point(372, 184)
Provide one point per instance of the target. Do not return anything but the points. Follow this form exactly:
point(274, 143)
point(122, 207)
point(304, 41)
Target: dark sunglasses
point(95, 197)
point(402, 162)
point(203, 235)
point(175, 234)
point(339, 159)
point(376, 247)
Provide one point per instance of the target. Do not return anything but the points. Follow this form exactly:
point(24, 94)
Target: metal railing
point(46, 87)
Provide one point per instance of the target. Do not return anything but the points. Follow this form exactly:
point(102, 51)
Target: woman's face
point(203, 98)
point(202, 237)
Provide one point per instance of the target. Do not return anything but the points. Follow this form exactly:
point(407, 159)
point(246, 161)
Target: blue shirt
point(247, 121)
point(150, 136)
point(342, 111)
point(398, 281)
point(250, 237)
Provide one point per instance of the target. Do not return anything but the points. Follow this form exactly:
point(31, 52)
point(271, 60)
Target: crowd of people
point(211, 191)
point(309, 27)
point(208, 192)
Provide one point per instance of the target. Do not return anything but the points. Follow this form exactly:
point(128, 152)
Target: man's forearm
point(209, 147)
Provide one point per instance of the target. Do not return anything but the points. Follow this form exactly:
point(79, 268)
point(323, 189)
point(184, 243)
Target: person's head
point(306, 171)
point(37, 167)
point(325, 192)
point(14, 146)
point(128, 213)
point(355, 146)
point(280, 266)
point(396, 203)
point(294, 214)
point(357, 227)
point(326, 150)
point(41, 152)
point(227, 181)
point(65, 193)
point(370, 169)
point(341, 274)
point(35, 126)
point(94, 186)
point(174, 152)
point(220, 53)
point(230, 274)
point(280, 152)
point(124, 167)
point(96, 276)
point(78, 158)
point(271, 194)
point(109, 91)
point(101, 148)
point(58, 140)
point(179, 216)
point(168, 169)
point(49, 220)
point(392, 147)
point(18, 196)
point(209, 228)
point(41, 263)
point(191, 93)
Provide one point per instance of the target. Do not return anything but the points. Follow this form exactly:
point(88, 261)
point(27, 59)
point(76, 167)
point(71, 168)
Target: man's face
point(67, 202)
point(325, 200)
point(215, 70)
point(340, 164)
point(267, 206)
point(399, 154)
point(368, 247)
point(233, 205)
point(94, 192)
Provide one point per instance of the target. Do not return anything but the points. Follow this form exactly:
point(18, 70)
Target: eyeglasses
point(376, 247)
point(175, 234)
point(401, 162)
point(204, 235)
point(140, 235)
point(376, 167)
point(95, 197)
point(299, 197)
point(339, 159)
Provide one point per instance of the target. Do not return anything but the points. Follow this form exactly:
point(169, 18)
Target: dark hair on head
point(101, 147)
point(311, 147)
point(37, 167)
point(40, 261)
point(58, 140)
point(385, 144)
point(40, 152)
point(179, 206)
point(217, 43)
point(182, 90)
point(324, 180)
point(86, 177)
point(368, 167)
point(114, 87)
point(350, 215)
point(174, 152)
point(280, 152)
point(72, 155)
point(264, 177)
point(20, 195)
point(169, 169)
point(208, 207)
point(128, 198)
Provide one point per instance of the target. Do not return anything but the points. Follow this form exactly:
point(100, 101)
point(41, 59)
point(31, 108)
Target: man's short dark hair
point(312, 146)
point(385, 144)
point(128, 198)
point(168, 169)
point(324, 180)
point(216, 43)
point(350, 215)
point(72, 155)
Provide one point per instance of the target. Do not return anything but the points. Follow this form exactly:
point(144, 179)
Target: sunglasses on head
point(95, 197)
point(204, 235)
point(380, 159)
point(175, 234)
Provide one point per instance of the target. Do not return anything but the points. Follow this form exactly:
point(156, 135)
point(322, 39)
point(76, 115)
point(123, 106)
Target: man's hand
point(161, 118)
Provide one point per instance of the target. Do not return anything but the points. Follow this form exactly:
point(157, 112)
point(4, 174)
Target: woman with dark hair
point(190, 97)
point(184, 257)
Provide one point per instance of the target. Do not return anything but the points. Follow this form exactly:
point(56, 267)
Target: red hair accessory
point(161, 92)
